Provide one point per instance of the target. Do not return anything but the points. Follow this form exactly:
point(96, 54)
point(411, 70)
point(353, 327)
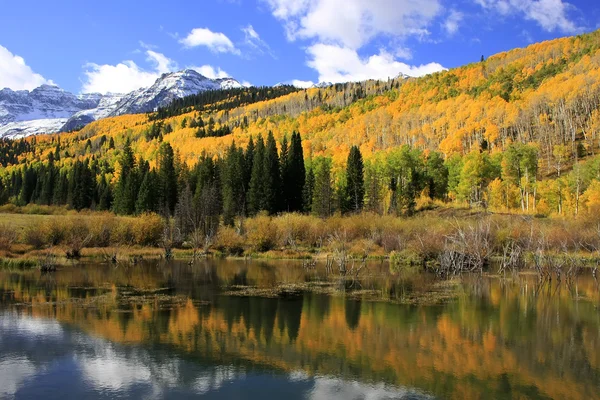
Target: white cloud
point(126, 76)
point(211, 72)
point(302, 84)
point(16, 74)
point(353, 23)
point(551, 15)
point(216, 41)
point(342, 64)
point(452, 23)
point(253, 40)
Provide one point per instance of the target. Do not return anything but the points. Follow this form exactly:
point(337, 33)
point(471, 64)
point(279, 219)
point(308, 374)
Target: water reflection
point(157, 331)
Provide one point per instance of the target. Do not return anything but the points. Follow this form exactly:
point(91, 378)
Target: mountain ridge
point(50, 109)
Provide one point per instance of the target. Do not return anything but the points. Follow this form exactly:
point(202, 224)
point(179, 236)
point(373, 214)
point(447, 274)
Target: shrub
point(55, 230)
point(229, 241)
point(34, 236)
point(262, 233)
point(8, 236)
point(148, 229)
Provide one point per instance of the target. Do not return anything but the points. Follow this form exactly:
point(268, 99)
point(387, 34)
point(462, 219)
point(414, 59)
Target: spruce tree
point(286, 176)
point(272, 187)
point(147, 200)
point(355, 186)
point(167, 178)
point(297, 173)
point(256, 191)
point(307, 192)
point(322, 202)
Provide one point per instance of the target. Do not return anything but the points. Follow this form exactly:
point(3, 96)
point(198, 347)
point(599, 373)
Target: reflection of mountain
point(498, 341)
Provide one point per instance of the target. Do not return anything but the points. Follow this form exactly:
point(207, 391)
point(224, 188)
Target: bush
point(148, 229)
point(55, 230)
point(262, 233)
point(229, 242)
point(34, 236)
point(8, 236)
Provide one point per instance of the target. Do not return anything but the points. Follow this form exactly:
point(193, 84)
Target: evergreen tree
point(147, 199)
point(234, 199)
point(104, 194)
point(307, 192)
point(322, 202)
point(126, 189)
point(256, 192)
point(167, 178)
point(297, 174)
point(272, 187)
point(355, 187)
point(286, 175)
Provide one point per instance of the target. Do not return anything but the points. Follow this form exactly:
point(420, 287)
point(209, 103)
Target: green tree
point(256, 199)
point(167, 178)
point(355, 186)
point(322, 202)
point(272, 178)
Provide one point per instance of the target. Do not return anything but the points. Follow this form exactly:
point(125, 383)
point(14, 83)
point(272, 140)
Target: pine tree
point(234, 198)
point(286, 175)
point(297, 174)
point(167, 178)
point(147, 200)
point(322, 202)
point(126, 189)
point(355, 187)
point(307, 192)
point(272, 187)
point(256, 192)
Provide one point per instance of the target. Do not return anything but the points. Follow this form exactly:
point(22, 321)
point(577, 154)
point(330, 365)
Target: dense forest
point(517, 131)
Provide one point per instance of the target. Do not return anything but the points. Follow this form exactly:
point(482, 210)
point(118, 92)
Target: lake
point(228, 329)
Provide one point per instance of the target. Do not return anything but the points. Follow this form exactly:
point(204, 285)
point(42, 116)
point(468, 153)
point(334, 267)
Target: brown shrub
point(261, 233)
point(8, 236)
point(229, 241)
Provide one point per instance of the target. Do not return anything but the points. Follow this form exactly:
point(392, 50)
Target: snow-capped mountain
point(169, 87)
point(48, 105)
point(49, 109)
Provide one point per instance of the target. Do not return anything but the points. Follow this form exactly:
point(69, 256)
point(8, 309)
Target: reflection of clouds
point(109, 371)
point(13, 372)
point(331, 388)
point(297, 376)
point(29, 327)
point(213, 380)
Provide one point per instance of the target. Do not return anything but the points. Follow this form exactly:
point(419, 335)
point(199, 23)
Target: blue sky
point(117, 46)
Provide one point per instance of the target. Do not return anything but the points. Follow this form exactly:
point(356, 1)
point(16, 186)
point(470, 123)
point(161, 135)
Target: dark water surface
point(176, 331)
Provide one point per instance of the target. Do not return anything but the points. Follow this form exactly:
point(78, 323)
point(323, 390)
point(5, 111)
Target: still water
point(178, 331)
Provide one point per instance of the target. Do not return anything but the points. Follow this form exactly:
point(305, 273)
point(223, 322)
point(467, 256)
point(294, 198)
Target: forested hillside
point(516, 131)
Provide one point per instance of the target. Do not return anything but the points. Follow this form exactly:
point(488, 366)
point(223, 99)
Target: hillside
point(504, 132)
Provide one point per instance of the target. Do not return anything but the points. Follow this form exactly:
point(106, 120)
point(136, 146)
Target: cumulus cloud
point(216, 41)
point(342, 64)
point(16, 74)
point(127, 76)
point(354, 23)
point(551, 15)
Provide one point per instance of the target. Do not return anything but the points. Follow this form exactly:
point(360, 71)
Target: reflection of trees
point(352, 311)
point(499, 340)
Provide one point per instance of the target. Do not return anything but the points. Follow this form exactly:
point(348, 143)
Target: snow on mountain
point(49, 109)
point(19, 129)
point(169, 87)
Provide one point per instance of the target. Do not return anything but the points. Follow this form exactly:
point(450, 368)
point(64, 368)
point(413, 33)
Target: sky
point(119, 46)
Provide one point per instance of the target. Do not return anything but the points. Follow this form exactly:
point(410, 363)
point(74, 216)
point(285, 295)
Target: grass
point(418, 240)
